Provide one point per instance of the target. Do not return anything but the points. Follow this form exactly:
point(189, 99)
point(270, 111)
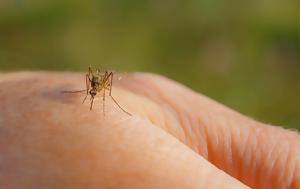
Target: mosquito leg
point(84, 98)
point(91, 107)
point(120, 106)
point(87, 83)
point(103, 99)
point(108, 78)
point(111, 75)
point(105, 77)
point(90, 71)
point(111, 80)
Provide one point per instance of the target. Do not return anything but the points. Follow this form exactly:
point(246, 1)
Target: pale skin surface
point(175, 138)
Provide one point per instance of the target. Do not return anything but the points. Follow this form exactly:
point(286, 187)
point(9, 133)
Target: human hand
point(175, 138)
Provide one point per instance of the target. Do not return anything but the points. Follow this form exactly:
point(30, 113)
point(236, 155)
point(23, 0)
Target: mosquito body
point(97, 83)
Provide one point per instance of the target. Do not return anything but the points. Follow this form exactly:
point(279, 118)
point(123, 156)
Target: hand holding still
point(175, 138)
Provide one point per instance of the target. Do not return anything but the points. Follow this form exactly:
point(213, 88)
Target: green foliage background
point(245, 54)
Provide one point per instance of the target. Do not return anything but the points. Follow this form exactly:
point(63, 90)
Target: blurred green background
point(245, 54)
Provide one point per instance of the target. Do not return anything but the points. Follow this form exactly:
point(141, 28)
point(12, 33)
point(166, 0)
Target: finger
point(48, 140)
point(259, 155)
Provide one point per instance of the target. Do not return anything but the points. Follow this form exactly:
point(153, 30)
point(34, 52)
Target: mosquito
point(96, 83)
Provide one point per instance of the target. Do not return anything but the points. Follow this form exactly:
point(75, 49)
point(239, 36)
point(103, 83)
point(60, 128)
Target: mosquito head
point(93, 92)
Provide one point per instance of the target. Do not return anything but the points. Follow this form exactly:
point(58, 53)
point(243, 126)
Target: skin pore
point(175, 138)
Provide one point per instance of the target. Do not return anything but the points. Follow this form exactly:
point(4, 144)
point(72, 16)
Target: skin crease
point(175, 138)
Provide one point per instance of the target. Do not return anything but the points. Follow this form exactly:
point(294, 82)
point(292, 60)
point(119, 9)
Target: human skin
point(175, 138)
